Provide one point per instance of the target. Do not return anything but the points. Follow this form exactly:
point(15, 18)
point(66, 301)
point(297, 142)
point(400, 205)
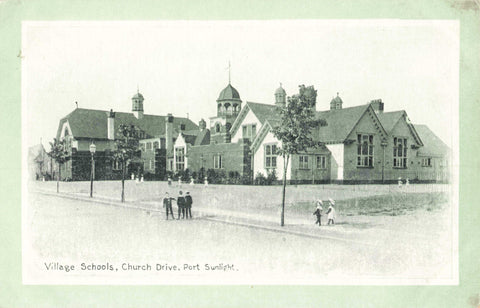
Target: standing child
point(167, 204)
point(331, 212)
point(181, 205)
point(188, 205)
point(318, 212)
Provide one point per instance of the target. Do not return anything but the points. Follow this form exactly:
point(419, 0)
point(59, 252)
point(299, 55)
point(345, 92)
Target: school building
point(360, 144)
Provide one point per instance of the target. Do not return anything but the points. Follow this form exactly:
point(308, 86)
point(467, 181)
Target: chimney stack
point(377, 105)
point(202, 124)
point(169, 133)
point(111, 125)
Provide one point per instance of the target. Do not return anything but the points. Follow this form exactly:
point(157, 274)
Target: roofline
point(236, 126)
point(369, 106)
point(124, 112)
point(262, 133)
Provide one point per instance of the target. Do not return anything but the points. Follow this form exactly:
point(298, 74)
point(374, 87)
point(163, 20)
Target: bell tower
point(137, 105)
point(280, 97)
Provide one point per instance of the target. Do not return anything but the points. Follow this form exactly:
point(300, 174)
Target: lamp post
point(93, 148)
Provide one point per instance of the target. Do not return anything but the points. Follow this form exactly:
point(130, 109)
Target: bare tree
point(295, 130)
point(126, 149)
point(60, 154)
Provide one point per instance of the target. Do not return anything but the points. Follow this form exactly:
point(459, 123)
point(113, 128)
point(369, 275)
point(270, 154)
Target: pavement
point(299, 226)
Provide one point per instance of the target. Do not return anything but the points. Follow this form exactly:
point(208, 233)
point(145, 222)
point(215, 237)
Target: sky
point(180, 67)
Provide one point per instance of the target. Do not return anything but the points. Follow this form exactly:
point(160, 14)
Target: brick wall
point(234, 155)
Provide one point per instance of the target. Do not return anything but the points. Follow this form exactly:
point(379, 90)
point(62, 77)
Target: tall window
point(116, 164)
point(149, 145)
point(399, 152)
point(321, 162)
point(364, 150)
point(155, 145)
point(180, 158)
point(270, 156)
point(217, 161)
point(249, 131)
point(426, 162)
point(303, 162)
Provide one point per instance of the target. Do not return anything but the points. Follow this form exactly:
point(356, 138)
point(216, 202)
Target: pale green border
point(14, 294)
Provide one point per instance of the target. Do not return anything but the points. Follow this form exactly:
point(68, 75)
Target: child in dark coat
point(318, 213)
point(188, 205)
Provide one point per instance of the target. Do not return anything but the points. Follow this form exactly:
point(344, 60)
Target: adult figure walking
point(181, 205)
point(188, 205)
point(167, 204)
point(331, 212)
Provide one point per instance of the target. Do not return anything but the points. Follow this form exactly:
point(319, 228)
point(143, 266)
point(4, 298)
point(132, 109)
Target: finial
point(229, 70)
point(280, 84)
point(76, 103)
point(138, 91)
point(337, 93)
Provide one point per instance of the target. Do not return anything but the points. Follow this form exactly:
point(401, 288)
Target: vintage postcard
point(291, 152)
point(309, 152)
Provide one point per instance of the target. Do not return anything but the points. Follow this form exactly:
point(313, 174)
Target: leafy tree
point(126, 149)
point(60, 154)
point(294, 131)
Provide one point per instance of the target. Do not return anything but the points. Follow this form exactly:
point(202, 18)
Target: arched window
point(228, 109)
point(217, 127)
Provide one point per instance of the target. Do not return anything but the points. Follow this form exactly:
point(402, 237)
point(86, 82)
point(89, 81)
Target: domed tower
point(336, 103)
point(280, 97)
point(137, 105)
point(229, 105)
point(229, 102)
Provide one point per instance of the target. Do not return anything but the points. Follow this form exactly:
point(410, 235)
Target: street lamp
point(93, 148)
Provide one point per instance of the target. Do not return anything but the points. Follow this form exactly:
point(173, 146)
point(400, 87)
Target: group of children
point(331, 214)
point(184, 205)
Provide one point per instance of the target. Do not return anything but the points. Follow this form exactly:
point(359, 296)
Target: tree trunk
point(58, 178)
point(123, 181)
point(285, 167)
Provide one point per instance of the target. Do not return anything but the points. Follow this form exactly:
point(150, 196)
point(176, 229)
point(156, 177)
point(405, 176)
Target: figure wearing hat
point(318, 212)
point(188, 205)
point(331, 212)
point(167, 204)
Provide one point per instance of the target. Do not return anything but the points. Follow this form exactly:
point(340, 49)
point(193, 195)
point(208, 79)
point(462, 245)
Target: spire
point(138, 91)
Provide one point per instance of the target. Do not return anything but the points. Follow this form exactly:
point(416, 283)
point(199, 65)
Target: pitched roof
point(432, 145)
point(203, 137)
point(340, 122)
point(89, 123)
point(389, 119)
point(265, 112)
point(36, 153)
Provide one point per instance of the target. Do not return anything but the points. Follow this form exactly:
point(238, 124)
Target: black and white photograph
point(241, 152)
